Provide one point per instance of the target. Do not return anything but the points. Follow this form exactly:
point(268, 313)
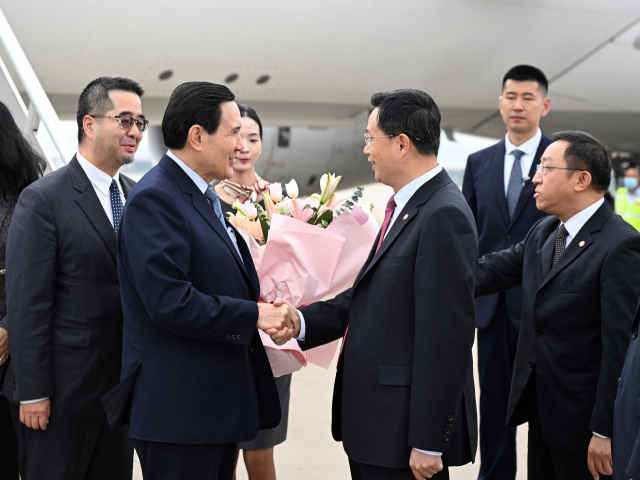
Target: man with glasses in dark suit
point(497, 185)
point(63, 296)
point(578, 269)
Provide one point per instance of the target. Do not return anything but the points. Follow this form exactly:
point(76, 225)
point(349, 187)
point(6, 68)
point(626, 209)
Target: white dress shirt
point(530, 147)
point(401, 198)
point(573, 226)
point(101, 183)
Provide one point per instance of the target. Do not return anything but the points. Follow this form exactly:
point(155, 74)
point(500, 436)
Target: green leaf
point(265, 228)
point(327, 216)
point(359, 193)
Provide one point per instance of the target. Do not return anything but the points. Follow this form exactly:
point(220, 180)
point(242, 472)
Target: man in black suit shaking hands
point(580, 282)
point(404, 401)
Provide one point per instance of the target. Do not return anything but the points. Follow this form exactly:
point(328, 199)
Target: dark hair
point(587, 153)
point(413, 113)
point(20, 165)
point(246, 111)
point(525, 73)
point(193, 103)
point(95, 100)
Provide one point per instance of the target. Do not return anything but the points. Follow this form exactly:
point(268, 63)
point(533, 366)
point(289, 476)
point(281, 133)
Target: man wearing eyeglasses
point(578, 270)
point(63, 296)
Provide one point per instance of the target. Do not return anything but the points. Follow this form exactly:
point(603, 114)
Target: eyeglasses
point(368, 138)
point(126, 122)
point(542, 169)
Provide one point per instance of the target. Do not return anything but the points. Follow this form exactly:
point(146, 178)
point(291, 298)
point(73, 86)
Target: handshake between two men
point(279, 320)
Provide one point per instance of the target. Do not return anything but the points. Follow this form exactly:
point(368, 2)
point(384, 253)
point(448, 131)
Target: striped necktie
point(214, 201)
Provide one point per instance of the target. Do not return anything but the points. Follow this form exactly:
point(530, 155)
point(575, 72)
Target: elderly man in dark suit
point(404, 400)
point(195, 377)
point(580, 282)
point(63, 296)
point(497, 184)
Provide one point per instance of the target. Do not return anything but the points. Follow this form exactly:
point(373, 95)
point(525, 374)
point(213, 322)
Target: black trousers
point(546, 463)
point(73, 449)
point(8, 443)
point(496, 353)
point(362, 471)
point(171, 461)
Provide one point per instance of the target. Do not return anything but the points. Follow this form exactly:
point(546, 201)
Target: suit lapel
point(529, 187)
point(410, 211)
point(574, 250)
point(200, 203)
point(497, 179)
point(91, 206)
point(126, 184)
point(547, 252)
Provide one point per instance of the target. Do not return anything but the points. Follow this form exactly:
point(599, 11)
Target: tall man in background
point(63, 296)
point(497, 185)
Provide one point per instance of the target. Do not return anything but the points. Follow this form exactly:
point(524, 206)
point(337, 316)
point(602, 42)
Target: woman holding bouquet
point(246, 184)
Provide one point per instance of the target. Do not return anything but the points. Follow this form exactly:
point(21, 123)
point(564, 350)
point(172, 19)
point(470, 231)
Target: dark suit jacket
point(63, 295)
point(405, 378)
point(576, 323)
point(194, 370)
point(626, 413)
point(483, 187)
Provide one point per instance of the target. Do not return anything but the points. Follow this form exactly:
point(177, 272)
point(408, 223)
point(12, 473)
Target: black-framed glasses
point(367, 137)
point(126, 122)
point(542, 169)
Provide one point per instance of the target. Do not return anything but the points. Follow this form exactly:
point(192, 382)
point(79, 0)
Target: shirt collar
point(197, 179)
point(405, 193)
point(530, 147)
point(575, 223)
point(101, 180)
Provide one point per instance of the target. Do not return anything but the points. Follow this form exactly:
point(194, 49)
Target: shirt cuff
point(598, 435)
point(22, 402)
point(437, 454)
point(303, 330)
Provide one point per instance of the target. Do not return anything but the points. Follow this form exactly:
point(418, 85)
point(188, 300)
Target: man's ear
point(89, 125)
point(583, 181)
point(195, 137)
point(546, 106)
point(403, 143)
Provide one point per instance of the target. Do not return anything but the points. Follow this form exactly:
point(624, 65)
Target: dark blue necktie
point(116, 204)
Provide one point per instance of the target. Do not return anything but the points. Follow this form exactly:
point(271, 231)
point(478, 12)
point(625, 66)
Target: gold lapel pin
point(405, 217)
point(581, 244)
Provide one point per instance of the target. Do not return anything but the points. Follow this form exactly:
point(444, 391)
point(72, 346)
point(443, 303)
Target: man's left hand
point(599, 459)
point(424, 465)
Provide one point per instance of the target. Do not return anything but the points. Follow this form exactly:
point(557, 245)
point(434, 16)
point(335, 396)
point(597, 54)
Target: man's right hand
point(278, 320)
point(36, 415)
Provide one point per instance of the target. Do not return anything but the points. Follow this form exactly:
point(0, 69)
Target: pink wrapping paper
point(303, 264)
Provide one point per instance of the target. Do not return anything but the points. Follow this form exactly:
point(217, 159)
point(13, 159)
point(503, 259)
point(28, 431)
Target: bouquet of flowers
point(305, 249)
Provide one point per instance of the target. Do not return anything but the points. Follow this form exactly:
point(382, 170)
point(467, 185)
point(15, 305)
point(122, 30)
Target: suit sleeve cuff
point(303, 329)
point(22, 402)
point(437, 454)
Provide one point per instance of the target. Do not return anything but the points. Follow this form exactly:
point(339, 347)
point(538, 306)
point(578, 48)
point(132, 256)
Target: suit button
point(447, 431)
point(233, 337)
point(450, 418)
point(228, 337)
point(538, 332)
point(509, 236)
point(530, 363)
point(449, 424)
point(445, 438)
point(251, 349)
point(634, 335)
point(239, 337)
